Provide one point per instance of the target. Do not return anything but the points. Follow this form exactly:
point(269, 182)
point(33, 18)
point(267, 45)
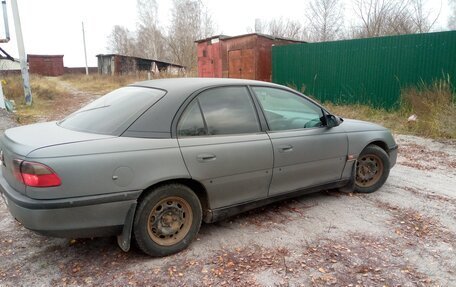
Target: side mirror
point(332, 121)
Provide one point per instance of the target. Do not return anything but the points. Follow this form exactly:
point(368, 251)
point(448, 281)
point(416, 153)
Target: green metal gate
point(367, 71)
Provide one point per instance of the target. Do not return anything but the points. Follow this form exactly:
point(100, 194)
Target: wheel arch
point(139, 227)
point(197, 187)
point(380, 144)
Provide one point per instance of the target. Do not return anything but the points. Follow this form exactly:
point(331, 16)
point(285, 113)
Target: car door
point(306, 153)
point(223, 146)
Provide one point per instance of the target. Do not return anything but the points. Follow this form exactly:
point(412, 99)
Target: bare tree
point(391, 17)
point(400, 23)
point(325, 19)
point(422, 18)
point(382, 17)
point(121, 41)
point(150, 42)
point(190, 21)
point(147, 41)
point(279, 27)
point(285, 28)
point(208, 25)
point(147, 12)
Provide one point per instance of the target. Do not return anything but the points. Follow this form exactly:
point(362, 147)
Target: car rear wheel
point(372, 169)
point(167, 220)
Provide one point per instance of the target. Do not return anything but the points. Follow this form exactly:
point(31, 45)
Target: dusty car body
point(158, 157)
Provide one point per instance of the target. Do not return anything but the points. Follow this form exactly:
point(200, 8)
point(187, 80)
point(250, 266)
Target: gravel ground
point(402, 235)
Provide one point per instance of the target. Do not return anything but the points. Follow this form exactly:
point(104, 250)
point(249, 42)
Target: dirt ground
point(402, 235)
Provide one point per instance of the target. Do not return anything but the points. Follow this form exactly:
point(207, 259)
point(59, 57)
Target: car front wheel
point(167, 220)
point(372, 169)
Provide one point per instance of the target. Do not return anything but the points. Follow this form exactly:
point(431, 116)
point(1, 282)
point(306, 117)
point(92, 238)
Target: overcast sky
point(54, 26)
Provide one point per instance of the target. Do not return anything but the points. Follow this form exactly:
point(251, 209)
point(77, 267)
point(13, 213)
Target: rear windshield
point(114, 112)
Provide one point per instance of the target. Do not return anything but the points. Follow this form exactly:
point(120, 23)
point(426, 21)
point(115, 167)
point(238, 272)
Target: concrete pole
point(5, 19)
point(2, 98)
point(85, 51)
point(22, 57)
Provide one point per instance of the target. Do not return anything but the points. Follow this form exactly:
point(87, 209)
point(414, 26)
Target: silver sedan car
point(156, 158)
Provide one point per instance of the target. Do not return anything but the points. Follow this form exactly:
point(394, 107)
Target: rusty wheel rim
point(369, 170)
point(169, 221)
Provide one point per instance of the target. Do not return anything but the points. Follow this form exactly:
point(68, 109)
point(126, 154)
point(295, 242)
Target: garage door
point(241, 64)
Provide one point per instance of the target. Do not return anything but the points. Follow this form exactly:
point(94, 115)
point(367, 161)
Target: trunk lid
point(17, 143)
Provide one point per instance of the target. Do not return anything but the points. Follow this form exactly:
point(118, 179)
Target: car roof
point(173, 84)
point(157, 120)
point(181, 88)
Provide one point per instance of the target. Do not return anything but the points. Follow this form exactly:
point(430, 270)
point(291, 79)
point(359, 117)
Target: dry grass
point(393, 120)
point(42, 87)
point(45, 93)
point(434, 106)
point(100, 84)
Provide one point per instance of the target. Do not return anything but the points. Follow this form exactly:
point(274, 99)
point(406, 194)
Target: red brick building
point(244, 56)
point(46, 65)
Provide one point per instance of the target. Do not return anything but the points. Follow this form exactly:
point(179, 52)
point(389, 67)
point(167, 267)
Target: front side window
point(286, 111)
point(220, 111)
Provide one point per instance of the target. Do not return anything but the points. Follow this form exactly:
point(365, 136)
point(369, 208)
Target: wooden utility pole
point(22, 57)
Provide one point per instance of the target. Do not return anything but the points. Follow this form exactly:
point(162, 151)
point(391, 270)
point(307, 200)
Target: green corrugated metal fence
point(368, 71)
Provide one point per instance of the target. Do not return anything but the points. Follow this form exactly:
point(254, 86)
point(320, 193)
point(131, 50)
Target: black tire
point(372, 169)
point(167, 220)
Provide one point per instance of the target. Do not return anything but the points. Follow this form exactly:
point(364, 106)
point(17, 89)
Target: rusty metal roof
point(145, 59)
point(221, 37)
point(44, 56)
point(225, 37)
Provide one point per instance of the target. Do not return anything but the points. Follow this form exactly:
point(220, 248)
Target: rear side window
point(228, 110)
point(191, 123)
point(112, 112)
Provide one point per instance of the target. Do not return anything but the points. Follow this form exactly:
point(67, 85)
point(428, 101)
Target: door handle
point(285, 148)
point(205, 157)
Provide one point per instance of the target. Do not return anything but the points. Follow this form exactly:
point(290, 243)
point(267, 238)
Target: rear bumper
point(88, 216)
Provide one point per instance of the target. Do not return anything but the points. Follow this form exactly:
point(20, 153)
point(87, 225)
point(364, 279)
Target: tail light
point(35, 174)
